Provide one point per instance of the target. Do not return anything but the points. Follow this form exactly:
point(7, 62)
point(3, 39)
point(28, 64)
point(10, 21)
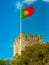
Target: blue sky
point(37, 24)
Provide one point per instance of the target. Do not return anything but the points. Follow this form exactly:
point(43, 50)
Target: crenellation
point(23, 41)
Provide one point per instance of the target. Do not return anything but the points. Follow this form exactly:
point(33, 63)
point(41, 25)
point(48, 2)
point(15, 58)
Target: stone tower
point(23, 41)
point(19, 44)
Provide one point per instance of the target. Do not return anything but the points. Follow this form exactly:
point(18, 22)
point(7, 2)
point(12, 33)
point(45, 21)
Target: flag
point(27, 12)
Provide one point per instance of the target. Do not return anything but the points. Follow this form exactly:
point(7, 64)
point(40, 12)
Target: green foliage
point(33, 55)
point(5, 62)
point(2, 62)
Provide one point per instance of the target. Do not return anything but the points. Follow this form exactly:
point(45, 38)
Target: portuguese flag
point(27, 12)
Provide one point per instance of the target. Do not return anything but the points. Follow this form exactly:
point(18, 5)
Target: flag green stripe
point(22, 14)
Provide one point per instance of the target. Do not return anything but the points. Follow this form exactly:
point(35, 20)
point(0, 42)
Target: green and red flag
point(27, 12)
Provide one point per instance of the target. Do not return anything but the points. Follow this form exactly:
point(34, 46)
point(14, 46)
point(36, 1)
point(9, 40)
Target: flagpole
point(20, 22)
point(20, 30)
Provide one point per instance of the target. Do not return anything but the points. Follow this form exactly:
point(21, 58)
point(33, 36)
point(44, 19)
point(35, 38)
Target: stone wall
point(25, 40)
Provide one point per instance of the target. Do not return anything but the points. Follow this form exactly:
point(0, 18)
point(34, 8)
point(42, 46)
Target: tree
point(33, 55)
point(2, 62)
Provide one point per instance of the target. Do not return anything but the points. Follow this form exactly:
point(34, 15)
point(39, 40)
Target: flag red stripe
point(30, 11)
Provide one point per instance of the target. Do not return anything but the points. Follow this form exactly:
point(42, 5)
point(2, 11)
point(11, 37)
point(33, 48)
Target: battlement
point(30, 36)
point(25, 40)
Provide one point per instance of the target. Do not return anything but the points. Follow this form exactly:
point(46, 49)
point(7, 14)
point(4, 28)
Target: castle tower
point(19, 44)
